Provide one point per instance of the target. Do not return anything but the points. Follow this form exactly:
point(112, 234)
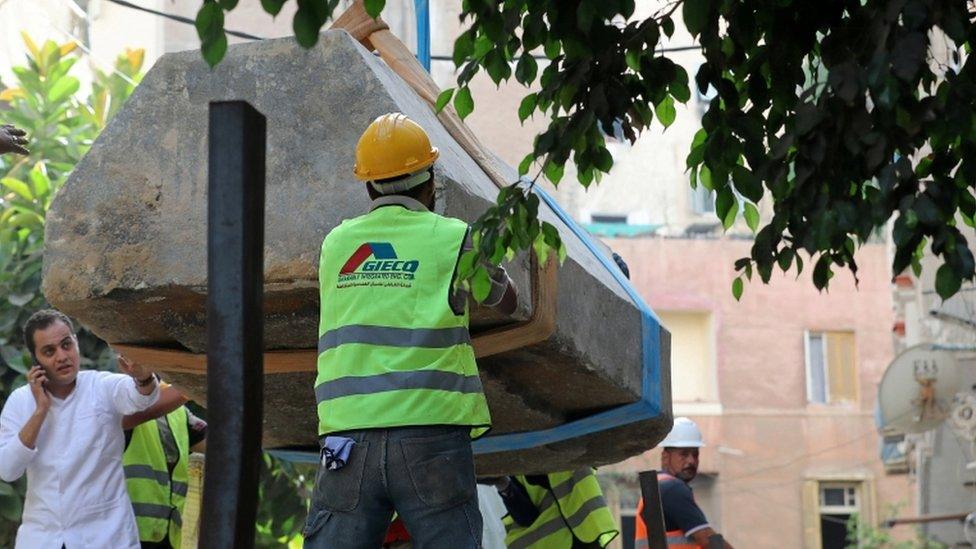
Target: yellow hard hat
point(392, 145)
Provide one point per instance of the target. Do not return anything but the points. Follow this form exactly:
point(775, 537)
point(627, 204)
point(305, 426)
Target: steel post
point(235, 324)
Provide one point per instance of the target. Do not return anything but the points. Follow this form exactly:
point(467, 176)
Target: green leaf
point(272, 6)
point(585, 13)
point(554, 172)
point(463, 103)
point(747, 183)
point(214, 50)
point(541, 248)
point(306, 25)
point(374, 7)
point(463, 47)
point(665, 111)
point(752, 216)
point(695, 15)
point(227, 5)
point(482, 45)
point(785, 258)
point(525, 164)
point(947, 282)
point(62, 89)
point(210, 21)
point(480, 284)
point(667, 25)
point(737, 288)
point(527, 107)
point(632, 57)
point(526, 69)
point(443, 99)
point(822, 272)
point(726, 206)
point(18, 187)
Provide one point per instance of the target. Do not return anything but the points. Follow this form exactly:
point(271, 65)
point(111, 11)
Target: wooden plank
point(359, 24)
point(540, 325)
point(184, 362)
point(538, 328)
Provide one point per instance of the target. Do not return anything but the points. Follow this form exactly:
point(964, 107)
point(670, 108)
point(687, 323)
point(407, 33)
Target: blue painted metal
point(422, 11)
point(649, 405)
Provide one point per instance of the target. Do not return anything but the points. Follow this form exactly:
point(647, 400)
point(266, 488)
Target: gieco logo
point(384, 260)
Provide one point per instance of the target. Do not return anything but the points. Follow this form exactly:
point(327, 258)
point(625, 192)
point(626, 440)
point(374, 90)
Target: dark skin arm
point(12, 140)
point(509, 301)
point(701, 538)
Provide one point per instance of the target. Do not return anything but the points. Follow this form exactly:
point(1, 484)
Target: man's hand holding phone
point(36, 378)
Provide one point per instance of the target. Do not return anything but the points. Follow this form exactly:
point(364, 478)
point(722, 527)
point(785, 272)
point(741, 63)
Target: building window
point(693, 376)
point(702, 200)
point(828, 505)
point(831, 368)
point(608, 218)
point(837, 503)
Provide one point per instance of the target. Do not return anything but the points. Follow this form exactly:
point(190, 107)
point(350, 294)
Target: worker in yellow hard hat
point(398, 391)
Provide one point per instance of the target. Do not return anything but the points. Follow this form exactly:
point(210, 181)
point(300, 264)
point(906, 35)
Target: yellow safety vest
point(573, 505)
point(157, 498)
point(391, 351)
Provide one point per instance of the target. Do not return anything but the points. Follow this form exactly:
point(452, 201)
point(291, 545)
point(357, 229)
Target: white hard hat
point(684, 434)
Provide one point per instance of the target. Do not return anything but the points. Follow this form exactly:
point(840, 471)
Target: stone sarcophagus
point(578, 375)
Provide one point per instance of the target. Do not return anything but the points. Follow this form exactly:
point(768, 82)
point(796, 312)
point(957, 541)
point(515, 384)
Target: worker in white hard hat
point(684, 522)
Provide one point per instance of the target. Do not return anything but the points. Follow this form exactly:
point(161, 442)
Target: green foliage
point(866, 536)
point(283, 494)
point(828, 107)
point(61, 126)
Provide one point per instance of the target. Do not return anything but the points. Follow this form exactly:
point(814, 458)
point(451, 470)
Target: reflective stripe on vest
point(391, 351)
point(676, 539)
point(157, 499)
point(576, 494)
point(394, 337)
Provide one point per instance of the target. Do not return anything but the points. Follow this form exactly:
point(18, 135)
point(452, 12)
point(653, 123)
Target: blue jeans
point(426, 474)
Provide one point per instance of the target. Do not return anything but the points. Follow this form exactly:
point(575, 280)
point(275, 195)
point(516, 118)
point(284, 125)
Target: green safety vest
point(157, 499)
point(574, 505)
point(391, 351)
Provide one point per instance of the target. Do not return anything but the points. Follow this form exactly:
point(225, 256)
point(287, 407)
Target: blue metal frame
point(649, 405)
point(422, 12)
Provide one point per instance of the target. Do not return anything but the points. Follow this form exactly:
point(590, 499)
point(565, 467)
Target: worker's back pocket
point(338, 490)
point(315, 521)
point(441, 468)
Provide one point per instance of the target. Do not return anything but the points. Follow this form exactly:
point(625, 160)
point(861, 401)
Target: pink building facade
point(792, 449)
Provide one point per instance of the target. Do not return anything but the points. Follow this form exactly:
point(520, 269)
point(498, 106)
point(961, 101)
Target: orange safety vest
point(676, 538)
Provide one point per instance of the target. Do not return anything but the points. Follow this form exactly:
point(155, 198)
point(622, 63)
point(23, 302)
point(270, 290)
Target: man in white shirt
point(64, 429)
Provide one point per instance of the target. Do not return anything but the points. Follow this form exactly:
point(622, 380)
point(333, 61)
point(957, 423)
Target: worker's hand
point(36, 379)
point(12, 140)
point(137, 371)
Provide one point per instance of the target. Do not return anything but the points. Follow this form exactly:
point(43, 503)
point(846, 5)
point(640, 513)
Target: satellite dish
point(917, 390)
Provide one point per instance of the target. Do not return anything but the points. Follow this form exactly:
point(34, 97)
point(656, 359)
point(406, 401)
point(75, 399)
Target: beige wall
point(766, 440)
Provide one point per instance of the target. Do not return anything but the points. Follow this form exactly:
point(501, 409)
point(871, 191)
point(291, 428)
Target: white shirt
point(75, 485)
